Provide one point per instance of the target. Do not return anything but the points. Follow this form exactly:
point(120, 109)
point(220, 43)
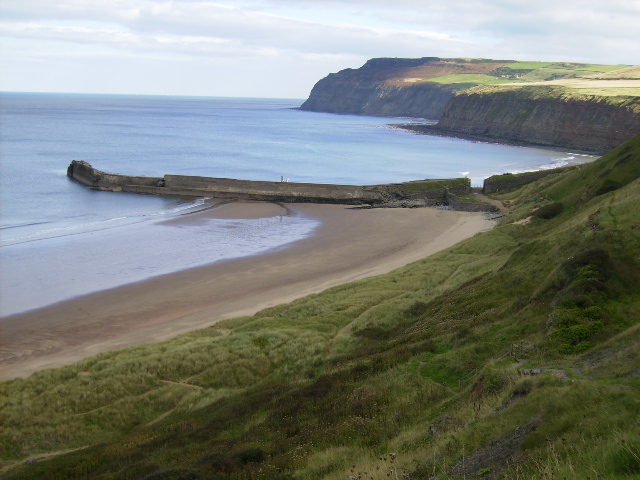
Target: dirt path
point(481, 197)
point(183, 384)
point(40, 456)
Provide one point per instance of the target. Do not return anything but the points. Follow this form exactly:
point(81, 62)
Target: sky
point(281, 48)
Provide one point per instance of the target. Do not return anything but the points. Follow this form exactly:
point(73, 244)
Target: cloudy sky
point(280, 48)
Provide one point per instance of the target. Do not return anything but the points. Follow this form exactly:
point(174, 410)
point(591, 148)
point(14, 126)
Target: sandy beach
point(349, 244)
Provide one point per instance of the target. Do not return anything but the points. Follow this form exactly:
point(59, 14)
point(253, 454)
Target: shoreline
point(434, 130)
point(84, 261)
point(349, 244)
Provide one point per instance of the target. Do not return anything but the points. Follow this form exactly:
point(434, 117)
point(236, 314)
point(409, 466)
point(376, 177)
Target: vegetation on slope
point(620, 97)
point(514, 354)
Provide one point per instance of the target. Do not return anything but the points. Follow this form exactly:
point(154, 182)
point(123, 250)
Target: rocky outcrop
point(542, 116)
point(410, 194)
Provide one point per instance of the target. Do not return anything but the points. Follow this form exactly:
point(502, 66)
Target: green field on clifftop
point(615, 85)
point(534, 72)
point(514, 354)
point(567, 74)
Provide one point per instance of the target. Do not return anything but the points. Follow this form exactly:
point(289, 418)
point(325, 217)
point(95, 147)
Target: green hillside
point(514, 354)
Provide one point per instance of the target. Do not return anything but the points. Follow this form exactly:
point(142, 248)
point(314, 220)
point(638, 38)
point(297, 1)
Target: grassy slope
point(621, 97)
point(416, 363)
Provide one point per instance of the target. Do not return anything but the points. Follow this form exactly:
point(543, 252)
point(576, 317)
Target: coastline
point(108, 254)
point(434, 130)
point(350, 244)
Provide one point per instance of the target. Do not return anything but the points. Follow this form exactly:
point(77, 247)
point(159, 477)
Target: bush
point(608, 186)
point(216, 463)
point(251, 455)
point(523, 387)
point(417, 310)
point(549, 211)
point(597, 259)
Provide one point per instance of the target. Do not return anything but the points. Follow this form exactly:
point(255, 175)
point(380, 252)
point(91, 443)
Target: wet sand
point(349, 244)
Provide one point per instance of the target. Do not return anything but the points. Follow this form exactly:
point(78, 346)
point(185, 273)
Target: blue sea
point(59, 239)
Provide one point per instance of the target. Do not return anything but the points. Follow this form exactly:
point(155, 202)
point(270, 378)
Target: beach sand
point(349, 244)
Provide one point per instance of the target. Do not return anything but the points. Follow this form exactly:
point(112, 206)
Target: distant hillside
point(581, 106)
point(512, 355)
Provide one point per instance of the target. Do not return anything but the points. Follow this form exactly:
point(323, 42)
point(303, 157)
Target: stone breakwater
point(409, 194)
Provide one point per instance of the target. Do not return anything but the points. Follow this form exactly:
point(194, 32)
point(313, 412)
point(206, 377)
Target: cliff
point(587, 107)
point(393, 87)
point(366, 97)
point(543, 115)
point(408, 194)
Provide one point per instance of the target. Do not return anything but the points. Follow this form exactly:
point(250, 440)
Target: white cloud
point(300, 42)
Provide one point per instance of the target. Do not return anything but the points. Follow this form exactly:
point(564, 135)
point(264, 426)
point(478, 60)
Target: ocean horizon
point(59, 239)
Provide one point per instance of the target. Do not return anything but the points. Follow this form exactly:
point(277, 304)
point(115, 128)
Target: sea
point(59, 239)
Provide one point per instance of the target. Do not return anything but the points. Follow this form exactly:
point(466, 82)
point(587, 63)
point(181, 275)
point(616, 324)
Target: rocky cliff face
point(342, 95)
point(543, 116)
point(383, 86)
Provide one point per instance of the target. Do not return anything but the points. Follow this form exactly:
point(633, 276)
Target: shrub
point(523, 387)
point(417, 310)
point(608, 186)
point(251, 455)
point(216, 463)
point(580, 314)
point(597, 259)
point(549, 211)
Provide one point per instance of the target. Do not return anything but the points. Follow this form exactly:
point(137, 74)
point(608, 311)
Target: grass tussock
point(513, 354)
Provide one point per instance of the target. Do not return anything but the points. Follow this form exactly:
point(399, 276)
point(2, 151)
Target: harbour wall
point(409, 194)
point(224, 188)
